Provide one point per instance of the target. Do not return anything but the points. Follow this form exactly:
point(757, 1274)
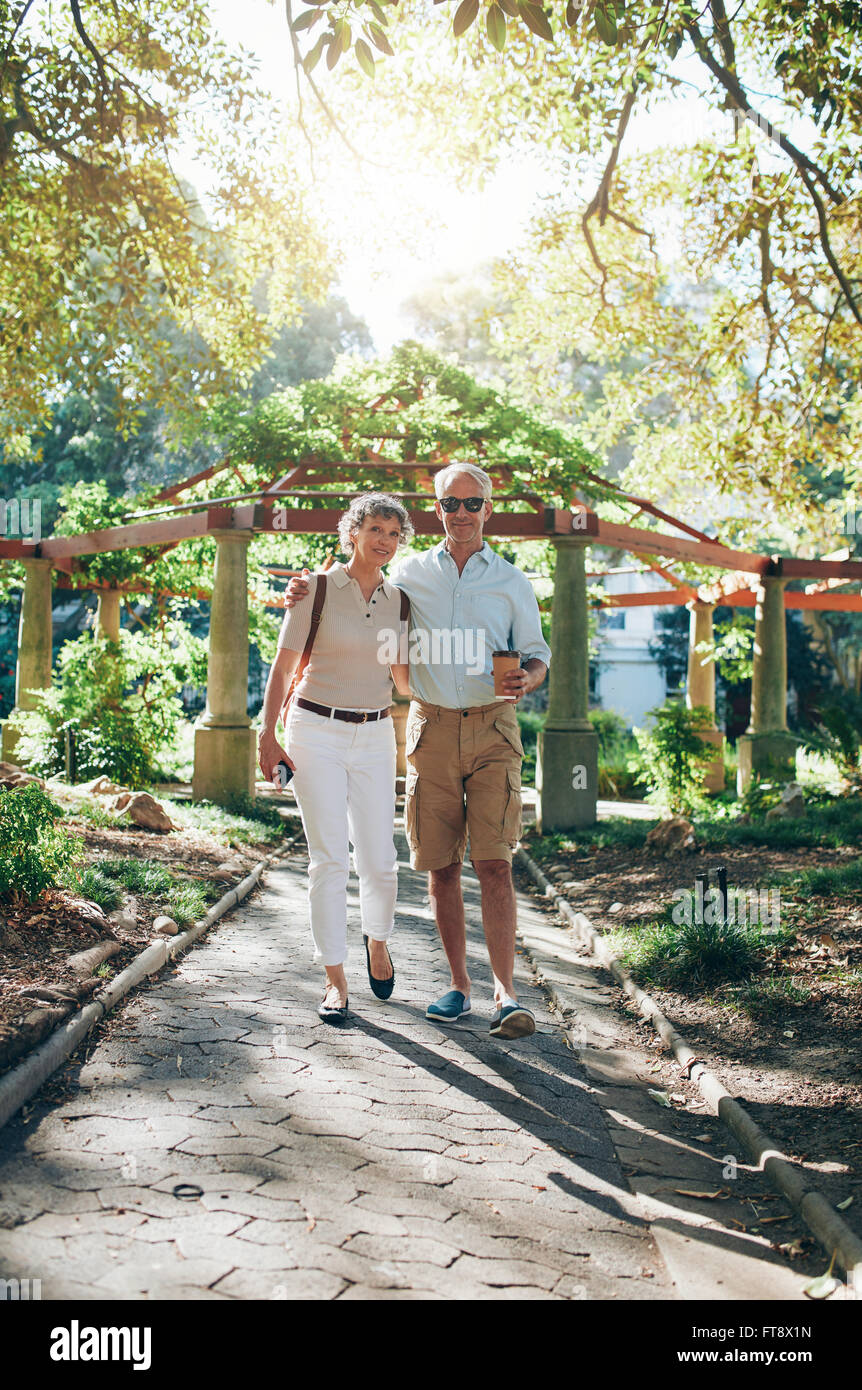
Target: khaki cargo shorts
point(463, 778)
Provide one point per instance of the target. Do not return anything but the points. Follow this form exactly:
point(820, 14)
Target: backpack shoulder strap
point(316, 612)
point(405, 607)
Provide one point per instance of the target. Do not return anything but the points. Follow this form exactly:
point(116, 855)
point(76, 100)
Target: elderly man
point(464, 748)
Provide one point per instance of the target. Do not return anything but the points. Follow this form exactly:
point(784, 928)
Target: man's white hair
point(455, 470)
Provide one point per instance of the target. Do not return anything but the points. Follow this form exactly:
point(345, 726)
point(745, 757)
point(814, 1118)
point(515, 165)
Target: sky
point(450, 229)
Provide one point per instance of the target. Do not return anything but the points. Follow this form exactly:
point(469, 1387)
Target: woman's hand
point(269, 754)
point(297, 588)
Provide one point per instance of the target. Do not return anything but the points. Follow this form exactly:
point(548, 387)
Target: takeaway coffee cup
point(503, 663)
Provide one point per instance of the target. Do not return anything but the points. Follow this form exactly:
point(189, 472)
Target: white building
point(628, 679)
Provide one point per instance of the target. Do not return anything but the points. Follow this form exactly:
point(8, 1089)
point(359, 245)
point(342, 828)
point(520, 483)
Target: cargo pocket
point(415, 729)
point(509, 730)
point(411, 808)
point(512, 813)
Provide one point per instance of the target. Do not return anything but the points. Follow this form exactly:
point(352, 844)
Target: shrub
point(119, 702)
point(34, 851)
point(672, 756)
point(837, 733)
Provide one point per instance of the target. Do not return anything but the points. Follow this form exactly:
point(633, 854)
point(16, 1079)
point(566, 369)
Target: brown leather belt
point(352, 716)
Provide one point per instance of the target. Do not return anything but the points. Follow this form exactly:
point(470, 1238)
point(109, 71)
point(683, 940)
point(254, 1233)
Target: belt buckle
point(363, 719)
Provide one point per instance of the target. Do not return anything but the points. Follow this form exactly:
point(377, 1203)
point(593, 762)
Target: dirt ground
point(796, 1065)
point(38, 939)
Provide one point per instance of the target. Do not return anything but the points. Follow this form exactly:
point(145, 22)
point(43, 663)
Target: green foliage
point(119, 700)
point(442, 408)
point(96, 886)
point(758, 798)
point(35, 851)
point(185, 902)
point(672, 756)
point(837, 733)
point(139, 875)
point(225, 826)
point(770, 998)
point(687, 955)
point(105, 252)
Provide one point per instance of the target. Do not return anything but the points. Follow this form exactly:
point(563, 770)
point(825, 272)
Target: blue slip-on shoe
point(513, 1021)
point(449, 1007)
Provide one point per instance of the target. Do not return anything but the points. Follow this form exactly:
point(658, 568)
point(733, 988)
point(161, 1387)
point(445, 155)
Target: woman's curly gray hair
point(373, 504)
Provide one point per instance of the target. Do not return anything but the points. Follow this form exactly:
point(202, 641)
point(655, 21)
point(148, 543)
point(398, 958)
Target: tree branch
point(827, 245)
point(731, 84)
point(89, 45)
point(599, 202)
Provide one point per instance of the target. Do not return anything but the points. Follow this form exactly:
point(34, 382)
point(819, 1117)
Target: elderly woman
point(341, 741)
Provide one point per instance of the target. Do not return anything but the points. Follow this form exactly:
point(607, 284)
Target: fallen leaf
point(767, 1220)
point(660, 1098)
point(718, 1196)
point(793, 1247)
point(657, 1066)
point(310, 1224)
point(687, 1067)
point(842, 1206)
point(704, 1138)
point(680, 1099)
point(789, 1033)
point(825, 1285)
point(828, 940)
point(537, 1188)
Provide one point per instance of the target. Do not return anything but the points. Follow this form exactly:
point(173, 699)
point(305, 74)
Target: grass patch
point(831, 823)
point(829, 882)
point(685, 955)
point(769, 998)
point(605, 834)
point(97, 887)
point(140, 875)
point(188, 902)
point(252, 824)
point(92, 812)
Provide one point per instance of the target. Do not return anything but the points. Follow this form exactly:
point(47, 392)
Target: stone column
point(225, 743)
point(108, 614)
point(34, 647)
point(700, 687)
point(567, 758)
point(767, 749)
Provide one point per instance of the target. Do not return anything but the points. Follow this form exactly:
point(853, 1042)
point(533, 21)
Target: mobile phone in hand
point(281, 775)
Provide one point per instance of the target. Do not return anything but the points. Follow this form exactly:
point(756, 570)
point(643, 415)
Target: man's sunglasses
point(451, 504)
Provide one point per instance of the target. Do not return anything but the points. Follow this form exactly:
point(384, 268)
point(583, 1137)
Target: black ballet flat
point(332, 1015)
point(382, 988)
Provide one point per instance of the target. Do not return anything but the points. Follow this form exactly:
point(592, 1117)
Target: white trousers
point(345, 786)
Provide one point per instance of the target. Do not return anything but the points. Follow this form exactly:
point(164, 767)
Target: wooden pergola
point(298, 499)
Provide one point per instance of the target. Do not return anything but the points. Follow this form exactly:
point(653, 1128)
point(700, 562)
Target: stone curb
point(19, 1084)
point(822, 1220)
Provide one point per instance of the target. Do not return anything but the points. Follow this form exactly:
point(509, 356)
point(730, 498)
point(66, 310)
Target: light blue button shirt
point(458, 620)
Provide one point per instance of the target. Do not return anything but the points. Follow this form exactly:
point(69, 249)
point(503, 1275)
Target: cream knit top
point(345, 670)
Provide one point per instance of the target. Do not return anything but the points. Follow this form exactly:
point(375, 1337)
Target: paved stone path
point(389, 1158)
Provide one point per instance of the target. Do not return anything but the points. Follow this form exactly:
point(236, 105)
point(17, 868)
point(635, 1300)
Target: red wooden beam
point(819, 569)
point(145, 533)
point(652, 598)
point(679, 548)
